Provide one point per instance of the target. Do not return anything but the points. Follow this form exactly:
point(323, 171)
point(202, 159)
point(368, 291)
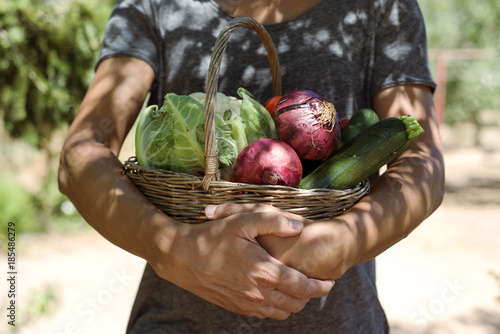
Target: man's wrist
point(326, 249)
point(157, 235)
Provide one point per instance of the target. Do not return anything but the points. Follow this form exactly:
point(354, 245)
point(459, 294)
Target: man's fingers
point(281, 306)
point(258, 219)
point(256, 224)
point(214, 212)
point(300, 286)
point(284, 289)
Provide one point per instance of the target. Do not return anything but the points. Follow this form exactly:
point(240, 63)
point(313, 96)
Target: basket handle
point(211, 165)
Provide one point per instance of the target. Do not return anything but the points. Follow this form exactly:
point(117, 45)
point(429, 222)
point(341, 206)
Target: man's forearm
point(413, 185)
point(404, 196)
point(90, 173)
point(91, 176)
point(408, 192)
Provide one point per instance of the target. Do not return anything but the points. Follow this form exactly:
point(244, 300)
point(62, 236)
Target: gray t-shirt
point(344, 50)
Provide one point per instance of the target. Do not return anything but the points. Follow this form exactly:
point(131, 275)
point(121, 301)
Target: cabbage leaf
point(258, 122)
point(172, 137)
point(167, 138)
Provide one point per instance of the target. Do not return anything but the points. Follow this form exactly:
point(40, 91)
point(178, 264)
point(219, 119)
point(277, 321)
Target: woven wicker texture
point(184, 197)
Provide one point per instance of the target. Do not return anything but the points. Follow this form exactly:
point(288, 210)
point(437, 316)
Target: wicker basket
point(184, 197)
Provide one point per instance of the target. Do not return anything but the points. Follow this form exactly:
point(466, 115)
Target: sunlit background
point(444, 278)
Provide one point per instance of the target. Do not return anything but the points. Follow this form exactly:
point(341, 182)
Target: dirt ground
point(442, 279)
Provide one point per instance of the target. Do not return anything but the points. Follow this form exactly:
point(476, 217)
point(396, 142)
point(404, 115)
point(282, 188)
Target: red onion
point(308, 123)
point(268, 161)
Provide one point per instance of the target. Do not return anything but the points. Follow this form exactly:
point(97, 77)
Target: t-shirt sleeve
point(400, 46)
point(130, 32)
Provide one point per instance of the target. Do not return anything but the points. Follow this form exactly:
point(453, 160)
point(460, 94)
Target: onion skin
point(268, 161)
point(308, 123)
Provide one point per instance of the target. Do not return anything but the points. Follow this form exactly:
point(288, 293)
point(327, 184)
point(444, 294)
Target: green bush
point(473, 87)
point(48, 49)
point(472, 84)
point(47, 54)
point(52, 209)
point(16, 205)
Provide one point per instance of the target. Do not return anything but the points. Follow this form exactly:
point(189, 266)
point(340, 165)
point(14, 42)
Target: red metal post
point(442, 58)
point(441, 78)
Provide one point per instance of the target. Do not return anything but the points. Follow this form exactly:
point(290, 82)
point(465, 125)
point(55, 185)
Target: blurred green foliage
point(48, 49)
point(42, 303)
point(16, 204)
point(473, 86)
point(45, 210)
point(456, 24)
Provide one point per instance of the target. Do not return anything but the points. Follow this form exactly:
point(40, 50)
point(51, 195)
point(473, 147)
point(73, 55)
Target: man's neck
point(267, 11)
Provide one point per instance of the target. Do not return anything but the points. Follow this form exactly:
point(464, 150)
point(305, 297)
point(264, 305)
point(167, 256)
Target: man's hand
point(222, 262)
point(323, 250)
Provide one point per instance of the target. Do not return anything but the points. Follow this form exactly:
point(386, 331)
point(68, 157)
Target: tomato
point(270, 104)
point(343, 124)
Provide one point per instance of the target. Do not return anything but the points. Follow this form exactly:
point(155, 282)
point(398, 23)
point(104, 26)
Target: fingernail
point(210, 211)
point(296, 225)
point(333, 283)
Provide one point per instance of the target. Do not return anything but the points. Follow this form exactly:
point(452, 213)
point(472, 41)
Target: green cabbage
point(258, 121)
point(172, 137)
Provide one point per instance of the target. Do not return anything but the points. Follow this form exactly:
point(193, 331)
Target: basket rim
point(132, 166)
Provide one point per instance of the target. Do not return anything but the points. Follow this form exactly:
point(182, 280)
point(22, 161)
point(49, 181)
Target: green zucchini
point(361, 120)
point(364, 154)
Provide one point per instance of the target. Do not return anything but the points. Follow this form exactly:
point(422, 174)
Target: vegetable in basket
point(361, 120)
point(172, 137)
point(308, 123)
point(271, 103)
point(364, 154)
point(268, 161)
